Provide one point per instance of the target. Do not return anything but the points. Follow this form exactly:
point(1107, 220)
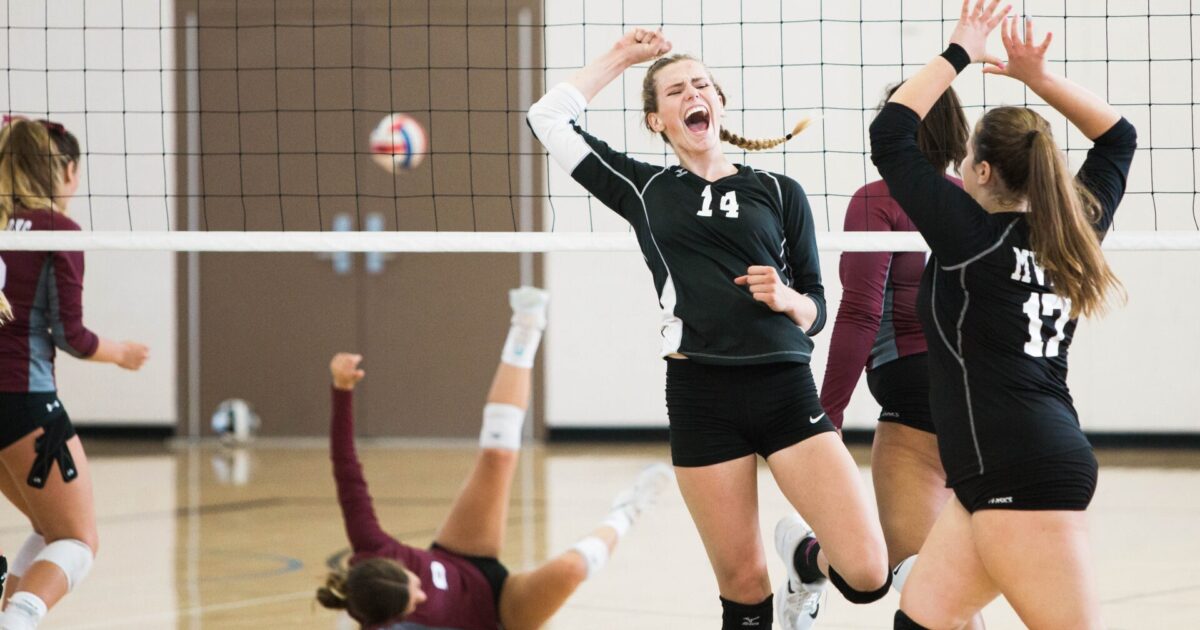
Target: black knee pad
point(735, 616)
point(904, 622)
point(856, 596)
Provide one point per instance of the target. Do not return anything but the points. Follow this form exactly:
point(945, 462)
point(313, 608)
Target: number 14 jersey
point(696, 236)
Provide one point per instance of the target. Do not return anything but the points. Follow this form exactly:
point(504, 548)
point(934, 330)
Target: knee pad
point(74, 557)
point(27, 555)
point(501, 426)
point(904, 622)
point(856, 596)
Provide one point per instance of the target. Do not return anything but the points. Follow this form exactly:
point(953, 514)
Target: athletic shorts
point(493, 571)
point(901, 388)
point(723, 412)
point(1059, 482)
point(22, 413)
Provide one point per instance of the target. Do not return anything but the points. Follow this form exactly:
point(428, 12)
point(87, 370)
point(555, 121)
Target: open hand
point(344, 368)
point(641, 45)
point(974, 26)
point(1026, 59)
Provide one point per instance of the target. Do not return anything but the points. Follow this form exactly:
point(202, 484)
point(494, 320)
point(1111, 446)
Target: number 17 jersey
point(998, 334)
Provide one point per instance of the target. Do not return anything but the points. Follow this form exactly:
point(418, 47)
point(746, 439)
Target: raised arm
point(1027, 64)
point(968, 43)
point(634, 47)
point(358, 514)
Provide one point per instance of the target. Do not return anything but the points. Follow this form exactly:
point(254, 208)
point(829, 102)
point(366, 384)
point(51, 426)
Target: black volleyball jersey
point(697, 236)
point(998, 334)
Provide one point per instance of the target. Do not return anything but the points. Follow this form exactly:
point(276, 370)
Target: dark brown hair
point(372, 591)
point(650, 105)
point(943, 134)
point(1062, 216)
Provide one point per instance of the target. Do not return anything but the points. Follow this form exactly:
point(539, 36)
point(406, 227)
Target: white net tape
point(516, 242)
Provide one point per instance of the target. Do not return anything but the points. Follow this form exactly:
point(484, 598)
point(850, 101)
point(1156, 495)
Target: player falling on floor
point(458, 583)
point(1016, 259)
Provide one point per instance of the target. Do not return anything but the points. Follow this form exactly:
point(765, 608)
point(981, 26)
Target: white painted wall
point(1132, 371)
point(108, 86)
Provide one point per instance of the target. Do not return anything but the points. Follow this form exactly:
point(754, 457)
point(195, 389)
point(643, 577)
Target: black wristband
point(957, 56)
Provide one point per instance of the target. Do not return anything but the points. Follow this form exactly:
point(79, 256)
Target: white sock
point(502, 425)
point(521, 345)
point(620, 520)
point(900, 573)
point(595, 554)
point(23, 612)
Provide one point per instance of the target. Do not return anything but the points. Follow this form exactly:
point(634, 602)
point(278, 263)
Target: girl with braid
point(457, 583)
point(732, 250)
point(44, 471)
point(1016, 259)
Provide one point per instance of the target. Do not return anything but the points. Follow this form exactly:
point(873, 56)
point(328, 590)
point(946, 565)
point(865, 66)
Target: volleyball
point(235, 422)
point(398, 143)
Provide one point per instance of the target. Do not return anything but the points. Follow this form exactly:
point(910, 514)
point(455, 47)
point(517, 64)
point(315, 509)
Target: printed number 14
point(729, 204)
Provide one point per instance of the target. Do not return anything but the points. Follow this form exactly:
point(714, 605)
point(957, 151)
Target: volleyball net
point(226, 126)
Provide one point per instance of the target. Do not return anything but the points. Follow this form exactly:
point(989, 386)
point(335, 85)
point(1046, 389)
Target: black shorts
point(722, 412)
point(901, 388)
point(22, 413)
point(1059, 482)
point(494, 572)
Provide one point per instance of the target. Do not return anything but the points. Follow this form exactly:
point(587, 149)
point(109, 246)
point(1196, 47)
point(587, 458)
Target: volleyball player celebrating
point(733, 255)
point(1016, 258)
point(45, 471)
point(458, 583)
point(877, 328)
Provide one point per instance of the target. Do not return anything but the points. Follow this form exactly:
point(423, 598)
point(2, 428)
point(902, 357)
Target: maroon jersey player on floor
point(45, 472)
point(458, 583)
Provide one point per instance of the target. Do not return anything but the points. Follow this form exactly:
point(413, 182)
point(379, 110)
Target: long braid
point(760, 145)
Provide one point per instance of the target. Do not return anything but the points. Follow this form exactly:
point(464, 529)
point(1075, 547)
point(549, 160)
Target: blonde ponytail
point(760, 145)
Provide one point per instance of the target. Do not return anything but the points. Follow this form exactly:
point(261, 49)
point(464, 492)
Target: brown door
point(289, 93)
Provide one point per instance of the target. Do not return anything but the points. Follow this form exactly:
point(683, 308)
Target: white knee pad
point(502, 426)
point(74, 557)
point(27, 555)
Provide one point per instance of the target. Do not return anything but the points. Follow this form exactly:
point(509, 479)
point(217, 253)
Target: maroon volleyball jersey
point(877, 319)
point(46, 293)
point(459, 596)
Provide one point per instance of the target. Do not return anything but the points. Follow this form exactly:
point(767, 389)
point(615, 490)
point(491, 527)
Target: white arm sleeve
point(551, 118)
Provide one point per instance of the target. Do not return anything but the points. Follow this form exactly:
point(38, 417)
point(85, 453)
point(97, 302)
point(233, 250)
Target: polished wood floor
point(201, 537)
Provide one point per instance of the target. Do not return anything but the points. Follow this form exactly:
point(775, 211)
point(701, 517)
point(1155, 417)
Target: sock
point(805, 560)
point(24, 612)
point(501, 426)
point(521, 345)
point(619, 519)
point(737, 616)
point(595, 553)
point(900, 573)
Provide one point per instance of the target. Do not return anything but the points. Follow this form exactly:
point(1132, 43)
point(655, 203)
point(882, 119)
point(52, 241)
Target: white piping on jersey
point(985, 252)
point(672, 326)
point(787, 280)
point(748, 356)
point(958, 353)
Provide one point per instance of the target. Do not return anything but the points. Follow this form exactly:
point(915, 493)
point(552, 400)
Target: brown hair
point(1062, 216)
point(650, 105)
point(943, 134)
point(372, 591)
point(34, 156)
